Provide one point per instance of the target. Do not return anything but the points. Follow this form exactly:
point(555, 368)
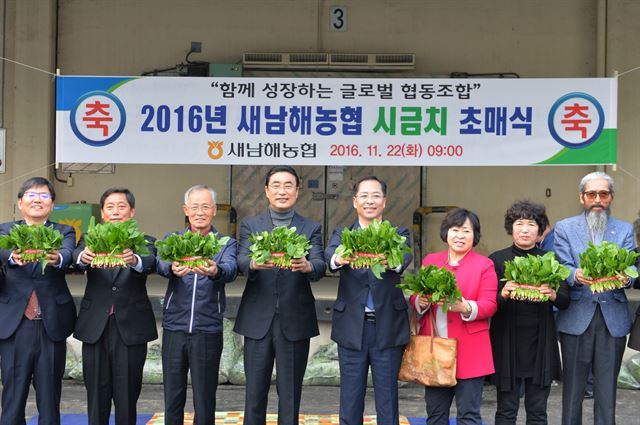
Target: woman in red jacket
point(466, 320)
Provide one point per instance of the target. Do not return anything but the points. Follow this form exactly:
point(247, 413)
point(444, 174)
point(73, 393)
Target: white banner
point(194, 120)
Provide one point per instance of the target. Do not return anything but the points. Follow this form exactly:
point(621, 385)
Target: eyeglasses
point(288, 187)
point(33, 195)
point(204, 208)
point(376, 197)
point(591, 195)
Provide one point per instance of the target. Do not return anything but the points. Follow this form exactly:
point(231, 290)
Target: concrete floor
point(324, 400)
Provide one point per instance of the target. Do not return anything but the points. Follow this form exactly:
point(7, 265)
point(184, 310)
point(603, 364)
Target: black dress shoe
point(588, 395)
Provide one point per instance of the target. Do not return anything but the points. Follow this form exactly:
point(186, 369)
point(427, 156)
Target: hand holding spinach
point(109, 240)
point(32, 242)
point(607, 265)
point(279, 246)
point(369, 247)
point(530, 273)
point(190, 249)
point(437, 284)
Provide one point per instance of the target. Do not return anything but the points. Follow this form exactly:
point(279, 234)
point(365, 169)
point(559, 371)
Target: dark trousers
point(600, 352)
point(468, 395)
point(30, 353)
point(291, 363)
point(354, 368)
point(535, 403)
point(199, 352)
point(589, 386)
point(112, 371)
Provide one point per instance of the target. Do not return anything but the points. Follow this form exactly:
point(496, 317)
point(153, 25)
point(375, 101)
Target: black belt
point(370, 316)
point(35, 319)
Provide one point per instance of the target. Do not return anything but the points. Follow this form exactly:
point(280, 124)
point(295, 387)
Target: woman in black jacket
point(523, 334)
point(634, 336)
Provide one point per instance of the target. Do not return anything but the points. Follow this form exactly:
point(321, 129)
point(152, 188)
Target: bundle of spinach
point(531, 272)
point(191, 249)
point(109, 240)
point(607, 265)
point(33, 242)
point(281, 245)
point(437, 284)
point(370, 244)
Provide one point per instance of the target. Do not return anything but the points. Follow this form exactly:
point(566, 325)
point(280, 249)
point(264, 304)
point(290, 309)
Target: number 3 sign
point(338, 18)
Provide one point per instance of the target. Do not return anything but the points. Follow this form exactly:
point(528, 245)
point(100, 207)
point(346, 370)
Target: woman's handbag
point(429, 359)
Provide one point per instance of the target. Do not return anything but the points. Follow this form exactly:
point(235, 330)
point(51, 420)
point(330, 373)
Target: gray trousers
point(598, 349)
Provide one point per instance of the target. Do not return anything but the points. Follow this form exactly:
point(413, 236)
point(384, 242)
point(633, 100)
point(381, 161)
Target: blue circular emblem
point(86, 117)
point(592, 137)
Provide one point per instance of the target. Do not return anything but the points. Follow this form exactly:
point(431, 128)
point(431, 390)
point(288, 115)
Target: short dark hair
point(545, 222)
point(383, 184)
point(456, 218)
point(35, 182)
point(525, 210)
point(130, 198)
point(281, 169)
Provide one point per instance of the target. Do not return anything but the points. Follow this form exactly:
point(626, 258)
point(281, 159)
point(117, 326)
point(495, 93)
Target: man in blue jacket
point(37, 314)
point(193, 312)
point(370, 322)
point(594, 328)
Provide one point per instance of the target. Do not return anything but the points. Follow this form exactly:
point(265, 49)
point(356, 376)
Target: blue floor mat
point(81, 419)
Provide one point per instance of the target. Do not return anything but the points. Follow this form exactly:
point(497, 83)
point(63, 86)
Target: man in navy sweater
point(193, 312)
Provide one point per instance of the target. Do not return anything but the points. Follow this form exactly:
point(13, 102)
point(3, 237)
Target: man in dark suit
point(369, 321)
point(193, 311)
point(594, 328)
point(277, 313)
point(115, 321)
point(37, 314)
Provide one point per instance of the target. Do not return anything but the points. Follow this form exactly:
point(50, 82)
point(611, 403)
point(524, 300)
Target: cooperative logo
point(576, 120)
point(98, 118)
point(215, 150)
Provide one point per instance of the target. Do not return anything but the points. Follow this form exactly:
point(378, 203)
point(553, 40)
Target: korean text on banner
point(431, 122)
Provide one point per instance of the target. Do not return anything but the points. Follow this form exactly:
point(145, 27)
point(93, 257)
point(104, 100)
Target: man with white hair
point(593, 329)
point(192, 321)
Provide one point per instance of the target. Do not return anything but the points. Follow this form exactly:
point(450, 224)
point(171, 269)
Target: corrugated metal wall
point(326, 193)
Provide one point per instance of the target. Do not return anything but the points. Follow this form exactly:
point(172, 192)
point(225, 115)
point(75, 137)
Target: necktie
point(33, 308)
point(370, 304)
